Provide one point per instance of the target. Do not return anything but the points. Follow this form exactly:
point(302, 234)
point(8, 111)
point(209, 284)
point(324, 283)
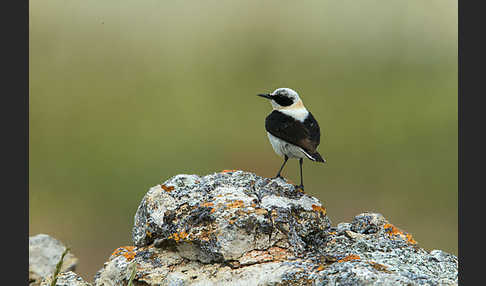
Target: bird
point(292, 130)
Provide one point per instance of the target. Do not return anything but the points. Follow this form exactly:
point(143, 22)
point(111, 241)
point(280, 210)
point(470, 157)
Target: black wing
point(303, 134)
point(315, 132)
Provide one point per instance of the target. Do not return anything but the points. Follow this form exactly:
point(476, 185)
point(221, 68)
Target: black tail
point(315, 157)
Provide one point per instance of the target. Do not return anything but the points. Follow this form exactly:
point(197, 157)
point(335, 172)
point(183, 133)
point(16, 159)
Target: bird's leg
point(281, 168)
point(301, 161)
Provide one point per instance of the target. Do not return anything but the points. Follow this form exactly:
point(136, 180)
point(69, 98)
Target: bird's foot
point(276, 177)
point(299, 187)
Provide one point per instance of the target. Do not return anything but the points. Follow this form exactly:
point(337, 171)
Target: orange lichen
point(319, 209)
point(236, 204)
point(167, 189)
point(207, 204)
point(320, 268)
point(391, 229)
point(227, 171)
point(123, 249)
point(394, 231)
point(179, 236)
point(183, 235)
point(148, 233)
point(129, 255)
point(350, 257)
point(332, 233)
point(127, 251)
point(410, 238)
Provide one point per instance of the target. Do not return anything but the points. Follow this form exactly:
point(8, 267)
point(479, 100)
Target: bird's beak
point(269, 96)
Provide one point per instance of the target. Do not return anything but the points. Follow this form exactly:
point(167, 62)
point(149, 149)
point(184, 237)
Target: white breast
point(297, 113)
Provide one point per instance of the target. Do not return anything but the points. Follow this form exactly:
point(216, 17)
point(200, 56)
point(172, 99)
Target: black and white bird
point(291, 129)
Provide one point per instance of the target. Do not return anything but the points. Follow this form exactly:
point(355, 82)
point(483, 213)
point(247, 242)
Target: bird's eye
point(283, 100)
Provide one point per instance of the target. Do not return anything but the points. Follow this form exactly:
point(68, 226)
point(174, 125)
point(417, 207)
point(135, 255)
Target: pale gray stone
point(44, 254)
point(68, 278)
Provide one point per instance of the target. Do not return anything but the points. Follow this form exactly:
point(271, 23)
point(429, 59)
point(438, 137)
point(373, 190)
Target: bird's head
point(284, 98)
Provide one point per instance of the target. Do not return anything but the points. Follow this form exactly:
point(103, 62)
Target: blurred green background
point(125, 94)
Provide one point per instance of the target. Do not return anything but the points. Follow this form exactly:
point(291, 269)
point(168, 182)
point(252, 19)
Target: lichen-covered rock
point(372, 251)
point(235, 228)
point(222, 216)
point(157, 266)
point(68, 278)
point(368, 223)
point(44, 254)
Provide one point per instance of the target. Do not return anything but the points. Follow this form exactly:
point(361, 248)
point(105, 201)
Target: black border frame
point(15, 117)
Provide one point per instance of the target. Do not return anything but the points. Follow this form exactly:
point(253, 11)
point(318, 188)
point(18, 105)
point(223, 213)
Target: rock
point(222, 216)
point(382, 254)
point(235, 228)
point(44, 254)
point(367, 223)
point(65, 279)
point(157, 266)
